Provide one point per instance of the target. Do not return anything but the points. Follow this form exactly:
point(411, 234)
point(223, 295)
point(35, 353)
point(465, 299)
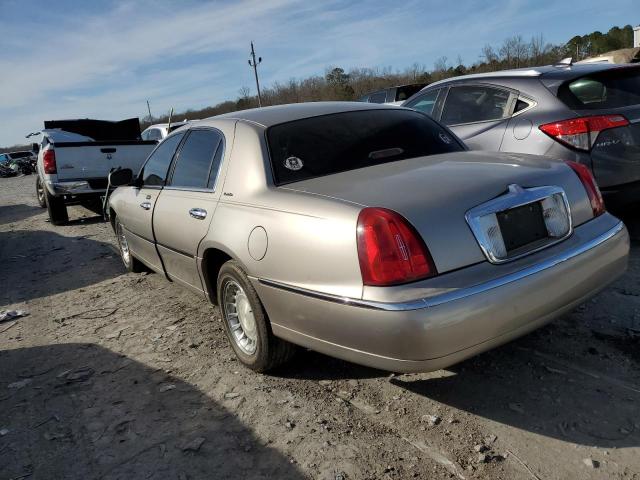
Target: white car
point(159, 131)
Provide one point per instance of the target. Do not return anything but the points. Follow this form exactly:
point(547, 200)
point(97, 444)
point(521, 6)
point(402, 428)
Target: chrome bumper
point(449, 325)
point(79, 187)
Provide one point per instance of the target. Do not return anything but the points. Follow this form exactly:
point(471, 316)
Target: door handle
point(146, 205)
point(198, 213)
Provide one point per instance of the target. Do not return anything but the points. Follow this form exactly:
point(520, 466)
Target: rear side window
point(425, 102)
point(479, 103)
point(195, 160)
point(318, 146)
point(154, 172)
point(611, 89)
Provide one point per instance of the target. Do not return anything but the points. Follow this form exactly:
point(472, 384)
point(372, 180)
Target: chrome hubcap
point(122, 242)
point(239, 316)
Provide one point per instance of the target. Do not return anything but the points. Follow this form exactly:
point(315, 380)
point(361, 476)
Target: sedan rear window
point(611, 89)
point(324, 145)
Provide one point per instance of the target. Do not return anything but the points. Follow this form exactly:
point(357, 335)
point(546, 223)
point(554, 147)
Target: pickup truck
point(76, 156)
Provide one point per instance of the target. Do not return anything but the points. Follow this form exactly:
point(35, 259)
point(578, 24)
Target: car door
point(186, 205)
point(138, 204)
point(478, 114)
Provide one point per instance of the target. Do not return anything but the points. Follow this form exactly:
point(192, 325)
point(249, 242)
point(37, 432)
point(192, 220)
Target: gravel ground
point(125, 376)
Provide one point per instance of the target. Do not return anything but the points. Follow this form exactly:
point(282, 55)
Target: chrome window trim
point(532, 104)
point(456, 295)
point(515, 197)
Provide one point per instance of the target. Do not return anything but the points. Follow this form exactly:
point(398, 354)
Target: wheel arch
point(213, 257)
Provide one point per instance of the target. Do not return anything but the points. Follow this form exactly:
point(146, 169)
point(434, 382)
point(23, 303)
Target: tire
point(131, 263)
point(256, 348)
point(42, 199)
point(56, 208)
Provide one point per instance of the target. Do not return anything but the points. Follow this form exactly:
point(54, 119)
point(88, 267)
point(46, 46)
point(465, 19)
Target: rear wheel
point(56, 208)
point(131, 263)
point(246, 323)
point(42, 201)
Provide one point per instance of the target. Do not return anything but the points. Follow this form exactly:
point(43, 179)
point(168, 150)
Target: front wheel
point(42, 201)
point(246, 324)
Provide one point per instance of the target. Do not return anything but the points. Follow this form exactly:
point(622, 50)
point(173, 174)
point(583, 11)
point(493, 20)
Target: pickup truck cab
point(76, 156)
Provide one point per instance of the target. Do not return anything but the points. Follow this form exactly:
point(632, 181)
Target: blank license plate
point(521, 226)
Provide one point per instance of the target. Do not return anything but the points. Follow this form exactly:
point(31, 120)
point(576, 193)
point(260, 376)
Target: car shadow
point(514, 386)
point(40, 263)
point(81, 411)
point(310, 365)
point(16, 213)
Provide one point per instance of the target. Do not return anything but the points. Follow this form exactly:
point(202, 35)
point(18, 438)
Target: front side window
point(154, 134)
point(154, 171)
point(425, 103)
point(329, 144)
point(468, 104)
point(195, 161)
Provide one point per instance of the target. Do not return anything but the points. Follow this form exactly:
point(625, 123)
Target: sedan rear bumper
point(438, 330)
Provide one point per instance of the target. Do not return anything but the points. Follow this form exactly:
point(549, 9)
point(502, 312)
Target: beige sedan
point(365, 232)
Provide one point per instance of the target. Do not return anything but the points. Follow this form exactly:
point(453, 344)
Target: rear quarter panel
point(311, 240)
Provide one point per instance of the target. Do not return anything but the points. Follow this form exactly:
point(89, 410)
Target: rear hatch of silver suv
point(608, 125)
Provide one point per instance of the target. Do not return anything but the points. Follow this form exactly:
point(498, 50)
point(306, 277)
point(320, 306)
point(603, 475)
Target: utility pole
point(149, 109)
point(255, 64)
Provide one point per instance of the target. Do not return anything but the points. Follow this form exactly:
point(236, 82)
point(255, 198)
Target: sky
point(105, 59)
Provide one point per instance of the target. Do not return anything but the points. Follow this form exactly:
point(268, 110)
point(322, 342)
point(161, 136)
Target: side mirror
point(35, 147)
point(120, 177)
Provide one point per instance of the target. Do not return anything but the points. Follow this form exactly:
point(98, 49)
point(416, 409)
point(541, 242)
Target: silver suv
point(587, 113)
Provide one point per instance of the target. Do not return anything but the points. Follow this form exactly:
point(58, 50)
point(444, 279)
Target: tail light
point(390, 250)
point(590, 185)
point(581, 133)
point(49, 161)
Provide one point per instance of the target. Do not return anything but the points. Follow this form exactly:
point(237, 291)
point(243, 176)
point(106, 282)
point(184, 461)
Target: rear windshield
point(611, 89)
point(404, 93)
point(318, 146)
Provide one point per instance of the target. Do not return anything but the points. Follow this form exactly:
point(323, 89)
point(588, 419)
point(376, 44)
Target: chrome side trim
point(457, 294)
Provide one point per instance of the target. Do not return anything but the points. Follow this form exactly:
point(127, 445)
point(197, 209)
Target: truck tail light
point(49, 161)
point(581, 133)
point(590, 185)
point(390, 250)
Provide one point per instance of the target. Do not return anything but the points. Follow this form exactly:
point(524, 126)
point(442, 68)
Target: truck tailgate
point(85, 160)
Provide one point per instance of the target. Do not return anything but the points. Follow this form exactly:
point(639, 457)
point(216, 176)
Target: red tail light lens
point(49, 161)
point(390, 250)
point(590, 185)
point(581, 133)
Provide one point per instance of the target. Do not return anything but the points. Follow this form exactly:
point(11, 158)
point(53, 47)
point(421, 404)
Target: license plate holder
point(522, 226)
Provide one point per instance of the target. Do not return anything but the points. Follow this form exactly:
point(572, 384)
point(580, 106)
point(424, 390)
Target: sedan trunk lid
point(434, 193)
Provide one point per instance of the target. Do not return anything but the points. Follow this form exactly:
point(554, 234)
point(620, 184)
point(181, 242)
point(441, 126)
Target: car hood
point(434, 193)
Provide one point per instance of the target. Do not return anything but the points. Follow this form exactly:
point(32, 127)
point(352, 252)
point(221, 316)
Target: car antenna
point(565, 62)
point(169, 124)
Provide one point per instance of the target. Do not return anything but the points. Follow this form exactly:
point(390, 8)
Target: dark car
point(587, 113)
point(392, 95)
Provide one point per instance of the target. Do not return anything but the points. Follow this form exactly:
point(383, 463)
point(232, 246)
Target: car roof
point(268, 116)
point(550, 72)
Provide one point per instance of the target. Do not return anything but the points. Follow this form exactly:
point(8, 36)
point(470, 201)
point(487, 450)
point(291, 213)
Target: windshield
point(611, 89)
point(324, 145)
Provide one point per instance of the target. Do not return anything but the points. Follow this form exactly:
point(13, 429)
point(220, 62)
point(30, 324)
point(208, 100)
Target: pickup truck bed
point(73, 166)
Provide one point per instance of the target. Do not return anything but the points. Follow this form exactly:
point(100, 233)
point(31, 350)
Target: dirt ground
point(125, 376)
